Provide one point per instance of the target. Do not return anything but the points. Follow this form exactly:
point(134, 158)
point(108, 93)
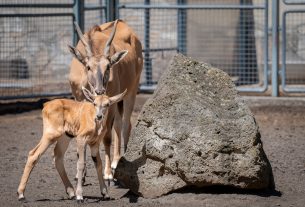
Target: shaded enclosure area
point(281, 124)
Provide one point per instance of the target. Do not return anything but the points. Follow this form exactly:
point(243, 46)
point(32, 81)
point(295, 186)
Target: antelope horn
point(82, 38)
point(109, 41)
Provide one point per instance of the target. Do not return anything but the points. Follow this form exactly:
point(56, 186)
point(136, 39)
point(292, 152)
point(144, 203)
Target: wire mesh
point(94, 17)
point(34, 59)
point(294, 49)
point(161, 42)
point(231, 39)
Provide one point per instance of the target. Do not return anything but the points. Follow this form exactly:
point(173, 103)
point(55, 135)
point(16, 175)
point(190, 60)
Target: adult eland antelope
point(109, 57)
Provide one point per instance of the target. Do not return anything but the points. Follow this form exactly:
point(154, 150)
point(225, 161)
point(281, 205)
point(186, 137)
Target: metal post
point(111, 10)
point(78, 11)
point(117, 10)
point(102, 10)
point(275, 47)
point(247, 63)
point(181, 28)
point(147, 59)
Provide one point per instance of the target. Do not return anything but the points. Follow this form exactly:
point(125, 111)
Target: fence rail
point(232, 35)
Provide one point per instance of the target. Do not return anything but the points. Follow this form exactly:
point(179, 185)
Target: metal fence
point(234, 35)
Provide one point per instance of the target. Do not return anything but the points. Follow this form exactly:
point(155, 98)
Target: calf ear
point(88, 95)
point(75, 52)
point(117, 98)
point(118, 56)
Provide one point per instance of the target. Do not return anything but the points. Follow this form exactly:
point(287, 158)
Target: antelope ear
point(75, 52)
point(118, 56)
point(117, 98)
point(88, 95)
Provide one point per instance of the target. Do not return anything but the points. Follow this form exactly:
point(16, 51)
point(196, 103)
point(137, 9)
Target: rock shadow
point(217, 189)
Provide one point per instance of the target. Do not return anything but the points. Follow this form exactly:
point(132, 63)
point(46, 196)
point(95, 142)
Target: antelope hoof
point(114, 164)
point(108, 181)
point(105, 195)
point(112, 171)
point(108, 176)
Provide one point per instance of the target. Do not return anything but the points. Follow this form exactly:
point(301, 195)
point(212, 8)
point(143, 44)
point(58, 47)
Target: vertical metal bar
point(117, 11)
point(147, 59)
point(275, 47)
point(247, 70)
point(266, 45)
point(284, 41)
point(102, 10)
point(111, 10)
point(181, 28)
point(241, 42)
point(78, 11)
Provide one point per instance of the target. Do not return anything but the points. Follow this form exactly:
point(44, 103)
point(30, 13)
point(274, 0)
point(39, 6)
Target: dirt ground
point(281, 122)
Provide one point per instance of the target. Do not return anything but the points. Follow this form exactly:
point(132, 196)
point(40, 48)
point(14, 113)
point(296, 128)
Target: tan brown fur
point(80, 120)
point(125, 74)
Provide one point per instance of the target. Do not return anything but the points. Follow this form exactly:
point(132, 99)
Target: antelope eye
point(88, 67)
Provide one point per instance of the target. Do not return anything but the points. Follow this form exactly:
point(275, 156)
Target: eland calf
point(84, 121)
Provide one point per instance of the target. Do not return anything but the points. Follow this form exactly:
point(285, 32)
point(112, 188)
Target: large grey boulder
point(194, 131)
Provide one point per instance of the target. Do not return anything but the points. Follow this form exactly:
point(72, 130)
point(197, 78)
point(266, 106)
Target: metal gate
point(293, 46)
point(233, 35)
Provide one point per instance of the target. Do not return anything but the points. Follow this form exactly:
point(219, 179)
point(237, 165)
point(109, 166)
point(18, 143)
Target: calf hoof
point(20, 197)
point(70, 193)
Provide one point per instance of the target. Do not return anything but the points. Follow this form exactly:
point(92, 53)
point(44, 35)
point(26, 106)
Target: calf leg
point(33, 158)
point(85, 169)
point(59, 152)
point(81, 145)
point(99, 168)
